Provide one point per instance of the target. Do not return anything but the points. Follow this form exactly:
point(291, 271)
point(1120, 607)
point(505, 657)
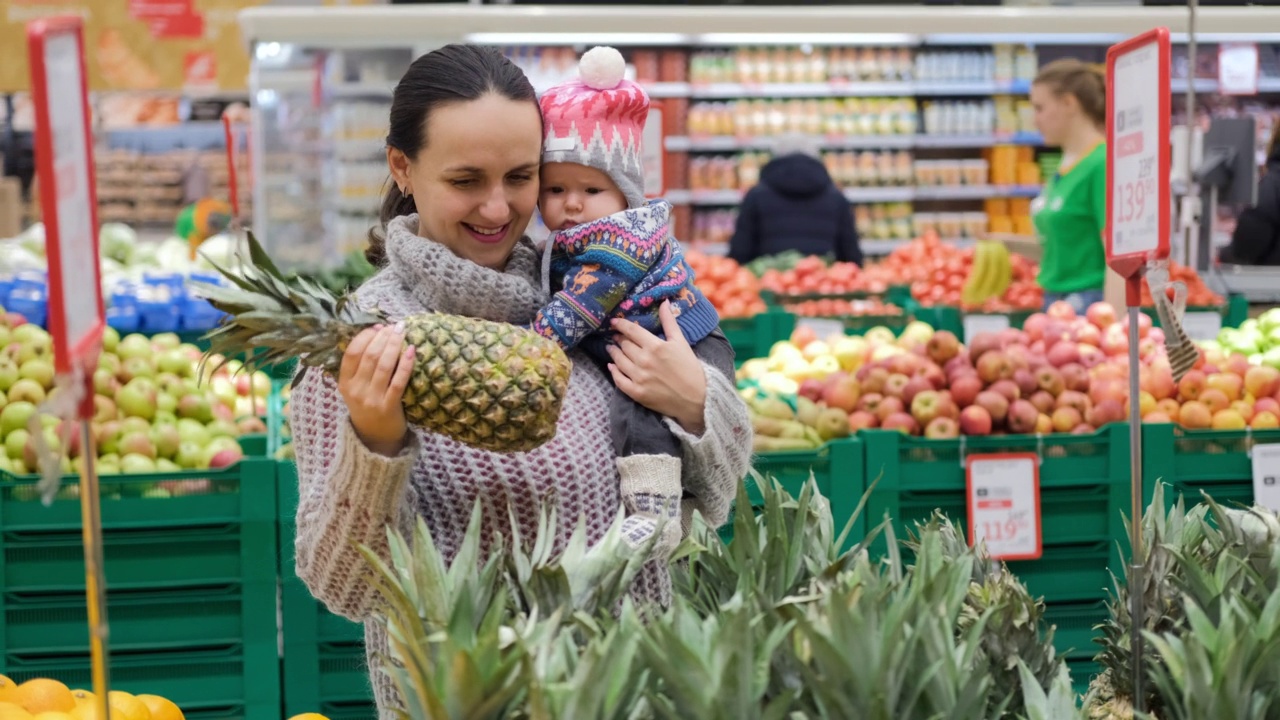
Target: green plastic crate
point(1074, 623)
point(218, 683)
point(1215, 461)
point(1082, 494)
point(139, 620)
point(752, 337)
point(218, 529)
point(1082, 672)
point(324, 666)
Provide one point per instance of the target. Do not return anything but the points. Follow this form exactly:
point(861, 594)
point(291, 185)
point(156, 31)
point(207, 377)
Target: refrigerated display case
point(922, 112)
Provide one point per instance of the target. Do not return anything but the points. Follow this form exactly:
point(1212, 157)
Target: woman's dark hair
point(451, 74)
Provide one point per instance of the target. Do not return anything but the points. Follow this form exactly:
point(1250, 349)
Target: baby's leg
point(649, 467)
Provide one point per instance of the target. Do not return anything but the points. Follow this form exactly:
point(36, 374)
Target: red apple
point(1034, 326)
point(811, 388)
point(975, 420)
point(896, 385)
point(1087, 335)
point(1075, 377)
point(1049, 379)
point(1261, 381)
point(1101, 314)
point(1267, 405)
point(914, 387)
point(1144, 325)
point(1169, 407)
point(933, 373)
point(870, 402)
point(1191, 385)
point(1083, 429)
point(1022, 417)
point(1228, 420)
point(1007, 388)
point(1090, 356)
point(874, 380)
point(1229, 383)
point(965, 389)
point(996, 405)
point(1063, 353)
point(1077, 400)
point(994, 365)
point(943, 346)
point(1238, 364)
point(901, 422)
point(942, 428)
point(862, 420)
point(1026, 382)
point(1043, 401)
point(889, 406)
point(1215, 400)
point(1245, 408)
point(1044, 424)
point(981, 344)
point(1061, 310)
point(1266, 420)
point(1157, 417)
point(843, 393)
point(1107, 411)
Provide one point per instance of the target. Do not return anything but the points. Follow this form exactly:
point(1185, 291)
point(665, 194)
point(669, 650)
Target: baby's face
point(573, 194)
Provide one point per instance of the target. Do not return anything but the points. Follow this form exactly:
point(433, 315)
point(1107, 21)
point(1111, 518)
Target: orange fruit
point(86, 711)
point(161, 708)
point(10, 711)
point(7, 688)
point(309, 716)
point(52, 715)
point(127, 707)
point(44, 695)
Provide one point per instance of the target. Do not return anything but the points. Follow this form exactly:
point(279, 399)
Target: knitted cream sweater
point(348, 494)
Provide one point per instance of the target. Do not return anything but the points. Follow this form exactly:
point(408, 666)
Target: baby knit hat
point(597, 120)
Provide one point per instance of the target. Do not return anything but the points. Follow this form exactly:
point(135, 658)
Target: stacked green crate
point(324, 666)
point(191, 587)
point(1083, 494)
point(1219, 462)
point(752, 337)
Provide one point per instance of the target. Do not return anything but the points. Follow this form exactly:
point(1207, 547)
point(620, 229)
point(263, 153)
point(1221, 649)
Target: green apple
point(15, 416)
point(8, 374)
point(137, 399)
point(137, 367)
point(110, 363)
point(166, 403)
point(134, 464)
point(192, 431)
point(175, 362)
point(195, 407)
point(166, 440)
point(223, 429)
point(166, 341)
point(166, 465)
point(189, 455)
point(108, 438)
point(14, 442)
point(26, 390)
point(1270, 358)
point(134, 345)
point(165, 417)
point(110, 339)
point(105, 383)
point(138, 443)
point(40, 370)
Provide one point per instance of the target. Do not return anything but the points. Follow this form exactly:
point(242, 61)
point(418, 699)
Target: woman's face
point(475, 182)
point(1054, 113)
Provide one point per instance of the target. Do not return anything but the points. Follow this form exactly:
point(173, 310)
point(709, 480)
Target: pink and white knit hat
point(598, 120)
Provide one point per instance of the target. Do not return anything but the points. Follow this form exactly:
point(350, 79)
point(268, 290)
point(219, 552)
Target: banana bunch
point(776, 424)
point(990, 274)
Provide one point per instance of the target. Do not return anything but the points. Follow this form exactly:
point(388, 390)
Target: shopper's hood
point(797, 176)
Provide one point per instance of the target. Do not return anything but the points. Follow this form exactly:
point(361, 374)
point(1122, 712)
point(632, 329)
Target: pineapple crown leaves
point(1057, 703)
point(278, 318)
point(603, 678)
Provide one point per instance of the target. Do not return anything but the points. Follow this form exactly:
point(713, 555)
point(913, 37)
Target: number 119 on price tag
point(1003, 493)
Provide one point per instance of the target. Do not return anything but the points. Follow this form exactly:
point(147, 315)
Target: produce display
point(49, 699)
point(938, 271)
point(731, 288)
point(831, 307)
point(1061, 373)
point(1256, 338)
point(154, 410)
point(813, 276)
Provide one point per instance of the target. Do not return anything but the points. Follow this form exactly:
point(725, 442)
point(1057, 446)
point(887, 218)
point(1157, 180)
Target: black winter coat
point(796, 206)
point(1256, 240)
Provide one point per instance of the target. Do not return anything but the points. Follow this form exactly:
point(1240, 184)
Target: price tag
point(1202, 325)
point(1004, 504)
point(65, 167)
point(1266, 476)
point(975, 325)
point(1138, 152)
point(651, 152)
point(1238, 69)
point(822, 327)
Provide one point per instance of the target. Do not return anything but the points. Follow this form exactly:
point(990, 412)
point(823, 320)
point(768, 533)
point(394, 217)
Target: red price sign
point(64, 163)
point(1138, 200)
point(1004, 504)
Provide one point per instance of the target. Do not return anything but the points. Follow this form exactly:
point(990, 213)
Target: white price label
point(1266, 476)
point(822, 327)
point(1238, 69)
point(1135, 152)
point(1004, 505)
point(1202, 325)
point(975, 325)
point(652, 155)
point(75, 234)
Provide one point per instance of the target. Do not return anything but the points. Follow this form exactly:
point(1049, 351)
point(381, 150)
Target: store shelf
point(800, 90)
point(1258, 284)
point(729, 143)
point(1209, 85)
point(870, 194)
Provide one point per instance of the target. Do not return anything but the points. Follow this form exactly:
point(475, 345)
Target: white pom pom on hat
point(602, 68)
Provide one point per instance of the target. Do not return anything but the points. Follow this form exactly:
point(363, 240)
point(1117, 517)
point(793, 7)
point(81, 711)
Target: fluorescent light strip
point(850, 38)
point(585, 38)
point(1082, 38)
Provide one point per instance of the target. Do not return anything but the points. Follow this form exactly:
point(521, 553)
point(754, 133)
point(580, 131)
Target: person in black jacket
point(796, 206)
point(1256, 240)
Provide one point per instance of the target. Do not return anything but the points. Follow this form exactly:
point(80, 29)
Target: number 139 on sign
point(1131, 199)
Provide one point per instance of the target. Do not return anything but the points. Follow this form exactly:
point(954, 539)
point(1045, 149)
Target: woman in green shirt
point(1069, 98)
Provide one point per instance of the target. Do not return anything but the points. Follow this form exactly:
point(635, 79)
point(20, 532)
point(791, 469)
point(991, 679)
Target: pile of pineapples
point(780, 623)
point(1211, 618)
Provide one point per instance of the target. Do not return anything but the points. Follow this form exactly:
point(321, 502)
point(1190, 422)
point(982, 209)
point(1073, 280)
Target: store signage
point(1138, 200)
point(64, 166)
point(1266, 476)
point(1003, 492)
point(1238, 69)
point(822, 327)
point(1202, 325)
point(975, 325)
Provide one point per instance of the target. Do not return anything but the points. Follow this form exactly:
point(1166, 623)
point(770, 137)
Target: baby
point(611, 255)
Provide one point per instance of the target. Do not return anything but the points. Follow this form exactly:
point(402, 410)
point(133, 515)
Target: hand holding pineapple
point(375, 373)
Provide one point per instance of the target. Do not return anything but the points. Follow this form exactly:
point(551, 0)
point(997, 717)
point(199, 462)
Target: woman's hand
point(664, 376)
point(375, 372)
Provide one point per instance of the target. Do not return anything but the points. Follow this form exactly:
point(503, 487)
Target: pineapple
point(487, 384)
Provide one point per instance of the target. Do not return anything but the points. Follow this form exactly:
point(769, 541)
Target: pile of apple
point(1256, 338)
point(153, 410)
